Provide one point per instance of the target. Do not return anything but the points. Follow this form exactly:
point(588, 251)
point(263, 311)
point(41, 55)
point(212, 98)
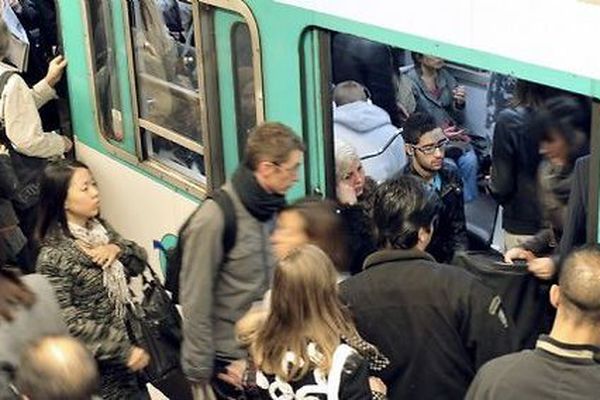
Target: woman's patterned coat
point(88, 311)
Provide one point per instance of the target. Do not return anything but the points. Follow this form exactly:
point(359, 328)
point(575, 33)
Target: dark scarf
point(260, 203)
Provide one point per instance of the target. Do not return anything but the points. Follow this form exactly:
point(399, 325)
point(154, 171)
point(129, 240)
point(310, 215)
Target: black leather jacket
point(515, 161)
point(450, 234)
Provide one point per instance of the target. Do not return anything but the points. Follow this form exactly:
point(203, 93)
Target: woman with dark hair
point(88, 263)
point(315, 221)
point(28, 311)
point(515, 161)
point(562, 127)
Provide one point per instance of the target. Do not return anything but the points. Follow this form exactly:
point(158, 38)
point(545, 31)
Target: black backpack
point(28, 170)
point(174, 255)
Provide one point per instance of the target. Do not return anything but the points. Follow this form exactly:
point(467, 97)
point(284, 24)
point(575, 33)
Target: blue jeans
point(467, 168)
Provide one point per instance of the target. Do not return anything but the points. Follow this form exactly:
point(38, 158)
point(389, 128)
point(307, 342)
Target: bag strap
point(225, 203)
point(4, 77)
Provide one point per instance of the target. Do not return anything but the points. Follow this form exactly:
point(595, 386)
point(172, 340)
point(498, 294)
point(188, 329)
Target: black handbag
point(525, 298)
point(155, 325)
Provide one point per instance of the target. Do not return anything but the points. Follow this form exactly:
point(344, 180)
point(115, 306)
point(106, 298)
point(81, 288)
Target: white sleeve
point(23, 124)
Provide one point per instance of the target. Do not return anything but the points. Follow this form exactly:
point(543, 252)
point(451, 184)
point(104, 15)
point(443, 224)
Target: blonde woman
point(302, 349)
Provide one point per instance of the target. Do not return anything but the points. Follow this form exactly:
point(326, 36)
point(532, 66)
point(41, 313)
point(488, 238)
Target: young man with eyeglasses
point(425, 145)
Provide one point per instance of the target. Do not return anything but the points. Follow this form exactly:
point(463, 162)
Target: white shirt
point(19, 114)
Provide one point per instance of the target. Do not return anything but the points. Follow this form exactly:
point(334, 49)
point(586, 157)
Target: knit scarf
point(114, 279)
point(260, 203)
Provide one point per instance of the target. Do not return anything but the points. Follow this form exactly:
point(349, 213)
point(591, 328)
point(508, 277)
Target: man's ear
point(263, 168)
point(409, 149)
point(555, 295)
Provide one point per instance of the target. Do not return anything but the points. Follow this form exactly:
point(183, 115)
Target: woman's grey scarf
point(114, 279)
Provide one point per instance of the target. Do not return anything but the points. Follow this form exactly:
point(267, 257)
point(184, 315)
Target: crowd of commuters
point(348, 298)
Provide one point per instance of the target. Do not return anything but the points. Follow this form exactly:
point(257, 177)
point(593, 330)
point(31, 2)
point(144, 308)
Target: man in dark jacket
point(564, 365)
point(436, 323)
point(425, 144)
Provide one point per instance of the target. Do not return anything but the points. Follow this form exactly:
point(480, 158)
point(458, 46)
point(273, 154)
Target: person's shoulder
point(512, 116)
point(502, 374)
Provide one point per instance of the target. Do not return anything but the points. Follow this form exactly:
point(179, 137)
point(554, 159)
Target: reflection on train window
point(168, 89)
point(244, 81)
point(104, 64)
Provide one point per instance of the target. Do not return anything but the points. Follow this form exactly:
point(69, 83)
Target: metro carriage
point(160, 105)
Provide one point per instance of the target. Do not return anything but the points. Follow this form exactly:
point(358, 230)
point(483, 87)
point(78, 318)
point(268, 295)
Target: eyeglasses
point(431, 148)
point(290, 170)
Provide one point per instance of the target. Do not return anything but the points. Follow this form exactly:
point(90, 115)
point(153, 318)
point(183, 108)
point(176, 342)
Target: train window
point(104, 66)
point(168, 86)
point(244, 81)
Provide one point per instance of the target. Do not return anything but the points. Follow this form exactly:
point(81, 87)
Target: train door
point(388, 73)
point(174, 86)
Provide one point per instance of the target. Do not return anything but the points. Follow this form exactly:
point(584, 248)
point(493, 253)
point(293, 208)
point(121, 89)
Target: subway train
point(162, 93)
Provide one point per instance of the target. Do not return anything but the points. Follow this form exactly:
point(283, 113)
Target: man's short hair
point(57, 368)
point(579, 281)
point(416, 126)
point(349, 92)
point(401, 207)
point(271, 141)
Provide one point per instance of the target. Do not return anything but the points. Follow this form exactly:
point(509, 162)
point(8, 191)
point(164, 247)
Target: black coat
point(574, 230)
point(515, 160)
point(358, 225)
point(436, 323)
point(450, 234)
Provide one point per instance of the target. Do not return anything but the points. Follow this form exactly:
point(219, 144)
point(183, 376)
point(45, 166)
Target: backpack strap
point(225, 203)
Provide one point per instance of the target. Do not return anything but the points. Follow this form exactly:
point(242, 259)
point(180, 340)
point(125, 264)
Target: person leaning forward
point(436, 323)
point(216, 289)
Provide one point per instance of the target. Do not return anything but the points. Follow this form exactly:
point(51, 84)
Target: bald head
point(579, 282)
point(57, 368)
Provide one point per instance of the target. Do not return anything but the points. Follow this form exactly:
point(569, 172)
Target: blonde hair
point(345, 156)
point(305, 309)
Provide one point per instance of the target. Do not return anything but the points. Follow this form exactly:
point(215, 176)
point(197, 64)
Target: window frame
point(208, 99)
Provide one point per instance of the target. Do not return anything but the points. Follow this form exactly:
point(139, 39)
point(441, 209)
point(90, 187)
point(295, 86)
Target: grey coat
point(89, 313)
point(214, 293)
point(42, 319)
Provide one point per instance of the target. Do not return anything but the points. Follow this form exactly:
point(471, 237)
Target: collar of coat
point(448, 177)
point(391, 255)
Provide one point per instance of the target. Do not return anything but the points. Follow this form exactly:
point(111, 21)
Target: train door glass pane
point(104, 65)
point(241, 45)
point(168, 87)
